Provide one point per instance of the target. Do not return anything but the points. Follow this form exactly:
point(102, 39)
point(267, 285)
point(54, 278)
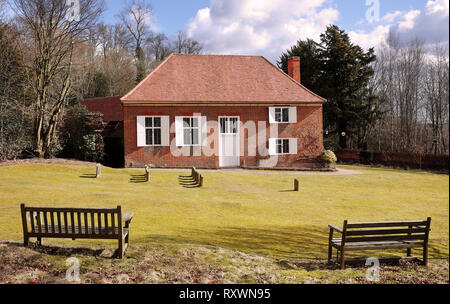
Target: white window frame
point(229, 125)
point(282, 146)
point(291, 111)
point(198, 128)
point(141, 130)
point(292, 146)
point(282, 109)
point(153, 127)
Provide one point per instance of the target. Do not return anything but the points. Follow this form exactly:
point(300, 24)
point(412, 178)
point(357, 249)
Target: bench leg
point(408, 252)
point(25, 241)
point(425, 256)
point(120, 254)
point(330, 252)
point(342, 259)
point(127, 239)
point(39, 241)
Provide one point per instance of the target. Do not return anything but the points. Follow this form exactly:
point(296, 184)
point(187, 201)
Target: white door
point(229, 150)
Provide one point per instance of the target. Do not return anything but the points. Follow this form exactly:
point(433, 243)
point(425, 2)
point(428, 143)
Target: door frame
point(238, 140)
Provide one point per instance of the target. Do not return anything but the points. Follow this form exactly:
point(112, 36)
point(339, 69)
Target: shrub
point(81, 135)
point(329, 157)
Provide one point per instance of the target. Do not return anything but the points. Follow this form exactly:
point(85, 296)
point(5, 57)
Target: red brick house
point(213, 111)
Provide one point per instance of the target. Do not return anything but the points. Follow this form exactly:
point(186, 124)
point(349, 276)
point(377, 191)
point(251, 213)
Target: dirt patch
point(52, 161)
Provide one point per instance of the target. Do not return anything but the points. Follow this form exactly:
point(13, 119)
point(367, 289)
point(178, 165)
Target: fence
point(394, 159)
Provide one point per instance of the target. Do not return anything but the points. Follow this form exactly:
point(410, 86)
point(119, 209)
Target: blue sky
point(268, 27)
point(173, 15)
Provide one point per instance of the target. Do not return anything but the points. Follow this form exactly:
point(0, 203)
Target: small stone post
point(296, 185)
point(98, 171)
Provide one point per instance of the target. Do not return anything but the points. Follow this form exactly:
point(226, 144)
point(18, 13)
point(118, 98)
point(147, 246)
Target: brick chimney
point(294, 68)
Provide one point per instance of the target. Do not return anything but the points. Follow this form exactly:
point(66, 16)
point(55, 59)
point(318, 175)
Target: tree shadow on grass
point(282, 243)
point(299, 247)
point(86, 175)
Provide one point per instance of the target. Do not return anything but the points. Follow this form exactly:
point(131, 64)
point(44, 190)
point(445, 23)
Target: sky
point(269, 27)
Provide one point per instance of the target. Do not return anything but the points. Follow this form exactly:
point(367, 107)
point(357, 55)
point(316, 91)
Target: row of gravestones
point(98, 172)
point(198, 178)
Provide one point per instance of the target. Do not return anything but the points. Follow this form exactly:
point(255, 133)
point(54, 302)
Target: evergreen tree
point(339, 71)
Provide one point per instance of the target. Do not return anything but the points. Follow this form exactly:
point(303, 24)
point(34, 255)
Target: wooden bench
point(76, 223)
point(383, 235)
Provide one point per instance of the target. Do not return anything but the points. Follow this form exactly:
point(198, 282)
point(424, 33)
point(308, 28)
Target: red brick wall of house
point(308, 130)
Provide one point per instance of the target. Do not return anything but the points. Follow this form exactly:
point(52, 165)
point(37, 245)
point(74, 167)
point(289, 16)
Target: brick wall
point(308, 130)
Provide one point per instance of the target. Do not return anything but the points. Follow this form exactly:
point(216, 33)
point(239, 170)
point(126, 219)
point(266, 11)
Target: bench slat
point(85, 221)
point(52, 221)
point(92, 220)
point(105, 217)
point(384, 238)
point(38, 220)
point(90, 231)
point(113, 220)
point(45, 221)
point(72, 221)
point(386, 224)
point(66, 223)
point(99, 221)
point(386, 231)
point(58, 215)
point(55, 209)
point(33, 227)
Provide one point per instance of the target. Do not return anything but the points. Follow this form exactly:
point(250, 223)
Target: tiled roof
point(219, 79)
point(110, 107)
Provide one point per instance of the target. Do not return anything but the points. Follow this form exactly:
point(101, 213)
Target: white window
point(283, 146)
point(191, 131)
point(229, 125)
point(283, 114)
point(152, 131)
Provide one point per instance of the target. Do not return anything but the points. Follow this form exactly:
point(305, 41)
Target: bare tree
point(185, 45)
point(52, 29)
point(137, 17)
point(159, 47)
point(437, 96)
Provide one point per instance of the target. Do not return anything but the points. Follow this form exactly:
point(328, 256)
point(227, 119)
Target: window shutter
point(140, 131)
point(272, 115)
point(165, 131)
point(272, 146)
point(179, 137)
point(204, 131)
point(293, 146)
point(293, 115)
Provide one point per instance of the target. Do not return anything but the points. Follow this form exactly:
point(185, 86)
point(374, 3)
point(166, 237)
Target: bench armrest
point(127, 217)
point(336, 228)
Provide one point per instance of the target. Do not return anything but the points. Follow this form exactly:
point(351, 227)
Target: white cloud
point(259, 27)
point(429, 25)
point(390, 17)
point(267, 27)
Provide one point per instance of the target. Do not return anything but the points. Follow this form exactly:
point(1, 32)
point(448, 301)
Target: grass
point(251, 214)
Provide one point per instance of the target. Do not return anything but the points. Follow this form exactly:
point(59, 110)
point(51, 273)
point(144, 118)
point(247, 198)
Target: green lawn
point(249, 212)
